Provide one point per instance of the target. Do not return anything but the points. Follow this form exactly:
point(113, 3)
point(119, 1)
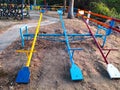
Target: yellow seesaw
point(24, 74)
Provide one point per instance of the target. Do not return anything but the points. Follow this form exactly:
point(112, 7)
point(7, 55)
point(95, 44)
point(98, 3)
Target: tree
point(34, 2)
point(70, 9)
point(64, 7)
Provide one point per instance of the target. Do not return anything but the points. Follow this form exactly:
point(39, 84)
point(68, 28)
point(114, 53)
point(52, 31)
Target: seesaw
point(75, 71)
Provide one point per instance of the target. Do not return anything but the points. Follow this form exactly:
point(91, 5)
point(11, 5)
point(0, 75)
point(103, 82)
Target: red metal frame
point(45, 4)
point(105, 59)
point(103, 16)
point(101, 23)
point(109, 51)
point(100, 49)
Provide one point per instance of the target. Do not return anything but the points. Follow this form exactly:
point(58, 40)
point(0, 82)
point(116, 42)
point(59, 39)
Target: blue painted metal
point(112, 24)
point(26, 31)
point(31, 7)
point(66, 38)
point(22, 38)
point(54, 37)
point(107, 33)
point(23, 75)
point(73, 49)
point(75, 71)
point(25, 27)
point(104, 40)
point(58, 37)
point(42, 10)
point(101, 28)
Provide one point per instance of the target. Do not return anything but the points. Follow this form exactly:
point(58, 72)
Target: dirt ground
point(50, 65)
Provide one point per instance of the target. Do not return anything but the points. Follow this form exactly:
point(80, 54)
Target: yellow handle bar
point(34, 41)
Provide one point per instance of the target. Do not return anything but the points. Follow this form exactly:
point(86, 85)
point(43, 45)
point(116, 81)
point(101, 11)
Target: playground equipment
point(111, 69)
point(109, 27)
point(47, 7)
point(15, 9)
point(56, 37)
point(24, 74)
point(75, 71)
point(101, 25)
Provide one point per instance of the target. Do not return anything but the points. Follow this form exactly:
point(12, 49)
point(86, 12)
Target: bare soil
point(50, 65)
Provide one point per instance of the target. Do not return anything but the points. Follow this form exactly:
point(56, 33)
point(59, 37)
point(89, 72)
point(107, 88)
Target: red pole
point(45, 4)
point(95, 41)
point(103, 24)
point(103, 16)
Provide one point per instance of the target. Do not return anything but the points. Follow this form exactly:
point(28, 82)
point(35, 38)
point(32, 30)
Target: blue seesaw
point(59, 37)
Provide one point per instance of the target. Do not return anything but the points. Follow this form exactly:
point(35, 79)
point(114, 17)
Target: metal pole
point(66, 40)
point(95, 41)
point(88, 16)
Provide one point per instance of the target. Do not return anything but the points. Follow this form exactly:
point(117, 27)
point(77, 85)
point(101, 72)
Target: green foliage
point(39, 1)
point(55, 2)
point(102, 8)
point(105, 7)
point(113, 3)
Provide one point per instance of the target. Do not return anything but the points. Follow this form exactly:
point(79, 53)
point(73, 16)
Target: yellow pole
point(34, 40)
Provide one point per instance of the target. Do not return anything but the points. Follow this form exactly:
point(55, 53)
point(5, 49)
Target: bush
point(102, 8)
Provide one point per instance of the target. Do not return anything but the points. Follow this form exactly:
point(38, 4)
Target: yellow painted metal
point(24, 51)
point(34, 41)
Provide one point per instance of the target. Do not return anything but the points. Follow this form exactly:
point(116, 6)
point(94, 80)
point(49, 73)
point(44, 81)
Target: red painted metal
point(118, 30)
point(103, 24)
point(45, 4)
point(99, 15)
point(96, 42)
point(103, 16)
point(109, 51)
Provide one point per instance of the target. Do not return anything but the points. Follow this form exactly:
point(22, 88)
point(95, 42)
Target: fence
point(110, 26)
